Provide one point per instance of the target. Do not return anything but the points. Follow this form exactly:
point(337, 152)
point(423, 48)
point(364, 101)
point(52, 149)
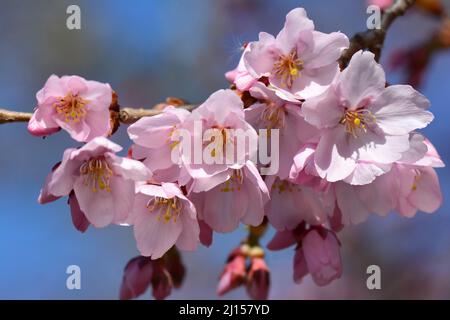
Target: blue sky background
point(148, 50)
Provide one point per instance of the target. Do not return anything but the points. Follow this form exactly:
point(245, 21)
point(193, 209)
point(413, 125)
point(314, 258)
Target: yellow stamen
point(235, 182)
point(168, 209)
point(72, 107)
point(97, 174)
point(288, 67)
point(284, 186)
point(274, 116)
point(356, 121)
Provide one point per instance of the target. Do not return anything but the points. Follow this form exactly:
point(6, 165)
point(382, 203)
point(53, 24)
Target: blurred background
point(147, 51)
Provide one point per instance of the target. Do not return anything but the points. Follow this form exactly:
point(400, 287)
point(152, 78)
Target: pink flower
point(162, 217)
point(299, 59)
point(417, 183)
point(317, 252)
point(240, 76)
point(271, 112)
point(103, 183)
point(241, 197)
point(222, 117)
point(78, 106)
point(320, 254)
point(234, 273)
point(292, 204)
point(365, 126)
point(258, 281)
point(154, 143)
point(409, 186)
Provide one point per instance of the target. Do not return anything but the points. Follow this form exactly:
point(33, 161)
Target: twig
point(373, 40)
point(126, 115)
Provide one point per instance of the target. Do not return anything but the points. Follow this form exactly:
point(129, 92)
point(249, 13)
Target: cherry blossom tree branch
point(125, 115)
point(373, 39)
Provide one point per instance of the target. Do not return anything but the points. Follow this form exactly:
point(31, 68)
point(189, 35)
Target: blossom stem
point(373, 39)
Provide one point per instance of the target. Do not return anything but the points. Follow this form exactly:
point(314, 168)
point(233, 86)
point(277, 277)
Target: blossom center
point(222, 143)
point(284, 186)
point(72, 107)
point(273, 115)
point(235, 182)
point(356, 121)
point(287, 68)
point(97, 174)
point(416, 181)
point(167, 209)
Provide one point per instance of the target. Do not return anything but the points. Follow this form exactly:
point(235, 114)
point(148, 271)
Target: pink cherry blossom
point(290, 204)
point(162, 217)
point(409, 186)
point(241, 197)
point(154, 143)
point(221, 114)
point(240, 77)
point(320, 254)
point(103, 183)
point(271, 112)
point(74, 104)
point(299, 59)
point(365, 126)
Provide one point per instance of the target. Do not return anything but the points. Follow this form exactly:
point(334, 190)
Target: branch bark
point(125, 115)
point(373, 40)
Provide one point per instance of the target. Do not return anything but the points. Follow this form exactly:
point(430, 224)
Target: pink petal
point(363, 78)
point(78, 218)
point(400, 109)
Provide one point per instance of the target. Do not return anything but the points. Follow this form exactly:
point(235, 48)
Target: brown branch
point(7, 116)
point(373, 40)
point(126, 115)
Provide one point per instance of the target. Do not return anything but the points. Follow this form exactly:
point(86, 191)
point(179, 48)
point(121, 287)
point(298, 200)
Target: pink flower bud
point(162, 282)
point(322, 255)
point(258, 281)
point(136, 278)
point(233, 275)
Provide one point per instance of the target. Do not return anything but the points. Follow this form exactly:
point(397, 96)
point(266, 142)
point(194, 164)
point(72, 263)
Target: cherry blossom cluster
point(348, 147)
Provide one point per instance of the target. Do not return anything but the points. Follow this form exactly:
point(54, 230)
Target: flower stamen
point(97, 174)
point(288, 67)
point(235, 182)
point(168, 209)
point(72, 107)
point(356, 121)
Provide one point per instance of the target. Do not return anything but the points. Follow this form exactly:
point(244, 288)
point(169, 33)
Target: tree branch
point(125, 115)
point(373, 40)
